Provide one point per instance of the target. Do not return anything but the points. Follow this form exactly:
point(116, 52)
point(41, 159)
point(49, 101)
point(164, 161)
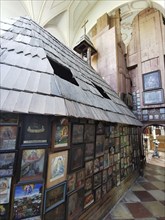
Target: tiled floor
point(145, 200)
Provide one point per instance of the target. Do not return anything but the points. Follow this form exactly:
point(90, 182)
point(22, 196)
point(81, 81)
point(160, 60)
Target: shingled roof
point(29, 83)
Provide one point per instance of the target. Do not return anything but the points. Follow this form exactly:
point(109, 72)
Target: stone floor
point(145, 200)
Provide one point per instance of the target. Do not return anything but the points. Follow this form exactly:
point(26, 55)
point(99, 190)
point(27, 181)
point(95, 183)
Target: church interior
point(82, 110)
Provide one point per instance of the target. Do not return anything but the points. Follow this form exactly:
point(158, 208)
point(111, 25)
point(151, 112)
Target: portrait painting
point(60, 133)
point(57, 168)
point(6, 164)
point(8, 135)
point(54, 196)
point(5, 186)
point(77, 133)
point(31, 192)
point(32, 164)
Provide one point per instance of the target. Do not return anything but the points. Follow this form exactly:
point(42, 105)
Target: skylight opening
point(63, 72)
point(102, 92)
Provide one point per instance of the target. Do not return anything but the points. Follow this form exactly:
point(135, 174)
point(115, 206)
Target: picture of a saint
point(57, 168)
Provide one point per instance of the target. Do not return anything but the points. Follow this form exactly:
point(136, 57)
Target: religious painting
point(57, 168)
point(5, 186)
point(8, 135)
point(100, 129)
point(35, 130)
point(60, 133)
point(76, 157)
point(57, 213)
point(109, 171)
point(88, 200)
point(88, 184)
point(98, 194)
point(89, 135)
point(31, 192)
point(80, 178)
point(32, 164)
point(153, 97)
point(75, 204)
point(54, 196)
point(97, 180)
point(77, 133)
point(89, 151)
point(71, 182)
point(6, 164)
point(89, 168)
point(152, 80)
point(99, 145)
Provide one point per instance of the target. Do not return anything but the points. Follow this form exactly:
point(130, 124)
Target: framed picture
point(57, 168)
point(104, 189)
point(109, 171)
point(32, 164)
point(88, 184)
point(106, 160)
point(89, 134)
point(35, 130)
point(80, 178)
point(104, 176)
point(31, 192)
point(75, 204)
point(97, 180)
point(54, 196)
point(153, 97)
point(109, 184)
point(106, 143)
point(76, 157)
point(71, 182)
point(7, 164)
point(96, 166)
point(99, 145)
point(77, 133)
point(152, 80)
point(5, 187)
point(98, 194)
point(34, 218)
point(89, 151)
point(8, 135)
point(100, 128)
point(57, 213)
point(4, 211)
point(89, 168)
point(101, 160)
point(88, 200)
point(60, 133)
point(8, 119)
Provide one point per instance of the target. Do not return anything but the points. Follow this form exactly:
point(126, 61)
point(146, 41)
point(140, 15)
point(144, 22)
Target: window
point(102, 92)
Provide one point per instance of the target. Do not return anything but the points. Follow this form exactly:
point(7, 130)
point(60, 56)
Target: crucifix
point(84, 26)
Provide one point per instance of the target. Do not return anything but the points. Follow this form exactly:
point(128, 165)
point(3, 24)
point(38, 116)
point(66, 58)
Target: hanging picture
point(31, 192)
point(71, 182)
point(80, 178)
point(6, 164)
point(88, 184)
point(99, 145)
point(77, 133)
point(8, 118)
point(8, 135)
point(57, 168)
point(100, 129)
point(96, 166)
point(4, 211)
point(35, 130)
point(76, 157)
point(89, 135)
point(5, 186)
point(88, 200)
point(32, 164)
point(57, 213)
point(60, 133)
point(153, 97)
point(89, 151)
point(89, 168)
point(98, 193)
point(97, 180)
point(75, 204)
point(54, 196)
point(152, 80)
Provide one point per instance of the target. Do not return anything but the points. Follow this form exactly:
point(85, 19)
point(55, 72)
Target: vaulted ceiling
point(64, 18)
